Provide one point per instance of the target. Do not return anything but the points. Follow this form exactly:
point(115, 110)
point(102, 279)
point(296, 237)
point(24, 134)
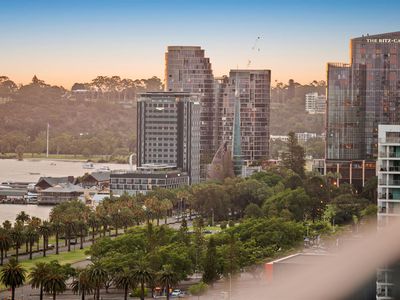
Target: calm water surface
point(30, 170)
point(10, 211)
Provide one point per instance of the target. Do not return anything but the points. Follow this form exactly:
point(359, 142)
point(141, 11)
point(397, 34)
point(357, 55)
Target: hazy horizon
point(66, 42)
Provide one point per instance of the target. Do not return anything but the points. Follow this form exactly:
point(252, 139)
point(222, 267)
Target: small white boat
point(104, 169)
point(88, 165)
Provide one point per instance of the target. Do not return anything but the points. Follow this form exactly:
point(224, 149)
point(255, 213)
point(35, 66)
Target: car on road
point(177, 293)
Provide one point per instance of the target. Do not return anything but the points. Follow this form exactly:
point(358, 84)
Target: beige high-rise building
point(188, 70)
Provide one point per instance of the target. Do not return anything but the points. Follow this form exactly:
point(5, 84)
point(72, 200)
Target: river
point(30, 170)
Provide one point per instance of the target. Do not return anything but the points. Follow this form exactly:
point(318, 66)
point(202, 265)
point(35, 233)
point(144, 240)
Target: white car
point(177, 293)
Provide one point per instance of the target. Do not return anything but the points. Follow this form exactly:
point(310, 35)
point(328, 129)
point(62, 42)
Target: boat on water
point(88, 165)
point(104, 169)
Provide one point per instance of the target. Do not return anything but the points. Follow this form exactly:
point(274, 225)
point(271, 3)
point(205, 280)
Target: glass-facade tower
point(361, 95)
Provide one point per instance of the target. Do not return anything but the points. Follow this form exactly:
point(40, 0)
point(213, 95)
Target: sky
point(63, 42)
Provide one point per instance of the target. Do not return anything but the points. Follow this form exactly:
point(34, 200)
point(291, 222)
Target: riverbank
point(30, 170)
point(69, 157)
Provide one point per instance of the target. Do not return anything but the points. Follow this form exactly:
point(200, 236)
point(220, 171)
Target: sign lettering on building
point(383, 41)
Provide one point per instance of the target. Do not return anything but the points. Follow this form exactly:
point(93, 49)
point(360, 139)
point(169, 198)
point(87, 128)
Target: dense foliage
point(100, 126)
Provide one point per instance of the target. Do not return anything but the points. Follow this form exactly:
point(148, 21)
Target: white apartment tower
point(388, 172)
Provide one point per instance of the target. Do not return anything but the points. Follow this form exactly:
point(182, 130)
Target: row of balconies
point(388, 196)
point(390, 169)
point(394, 182)
point(389, 155)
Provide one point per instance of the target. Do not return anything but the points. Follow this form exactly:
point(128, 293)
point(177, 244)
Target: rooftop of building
point(387, 35)
point(184, 48)
point(64, 188)
point(52, 181)
point(164, 94)
point(155, 170)
point(250, 71)
point(100, 176)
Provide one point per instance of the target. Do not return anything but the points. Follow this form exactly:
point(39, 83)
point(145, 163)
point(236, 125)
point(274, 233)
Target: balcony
point(395, 182)
point(390, 169)
point(389, 196)
point(390, 140)
point(389, 155)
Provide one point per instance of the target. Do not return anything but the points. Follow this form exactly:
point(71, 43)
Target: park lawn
point(63, 258)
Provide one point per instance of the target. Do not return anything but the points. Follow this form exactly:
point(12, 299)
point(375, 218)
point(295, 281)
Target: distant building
point(47, 182)
point(305, 136)
point(283, 138)
point(168, 131)
point(250, 89)
point(188, 70)
point(315, 104)
point(146, 178)
point(60, 193)
point(95, 179)
point(247, 171)
point(360, 96)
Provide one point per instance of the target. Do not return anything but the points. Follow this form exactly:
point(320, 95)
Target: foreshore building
point(147, 178)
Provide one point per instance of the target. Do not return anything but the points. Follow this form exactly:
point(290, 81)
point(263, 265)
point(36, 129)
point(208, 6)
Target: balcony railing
point(390, 169)
point(389, 155)
point(389, 182)
point(390, 140)
point(389, 196)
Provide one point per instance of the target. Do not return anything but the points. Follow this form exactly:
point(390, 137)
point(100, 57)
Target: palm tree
point(82, 285)
point(93, 223)
point(7, 226)
point(167, 278)
point(142, 275)
point(5, 243)
point(56, 227)
point(125, 280)
point(98, 276)
point(54, 282)
point(38, 275)
point(36, 222)
point(22, 217)
point(69, 227)
point(12, 275)
point(45, 231)
point(17, 236)
point(81, 229)
point(31, 236)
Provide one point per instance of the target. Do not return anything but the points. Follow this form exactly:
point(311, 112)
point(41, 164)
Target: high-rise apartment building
point(188, 70)
point(250, 89)
point(168, 131)
point(360, 96)
point(388, 172)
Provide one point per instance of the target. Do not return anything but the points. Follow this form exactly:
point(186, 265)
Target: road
point(26, 292)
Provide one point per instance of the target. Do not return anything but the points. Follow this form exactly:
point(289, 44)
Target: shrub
point(198, 289)
point(223, 225)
